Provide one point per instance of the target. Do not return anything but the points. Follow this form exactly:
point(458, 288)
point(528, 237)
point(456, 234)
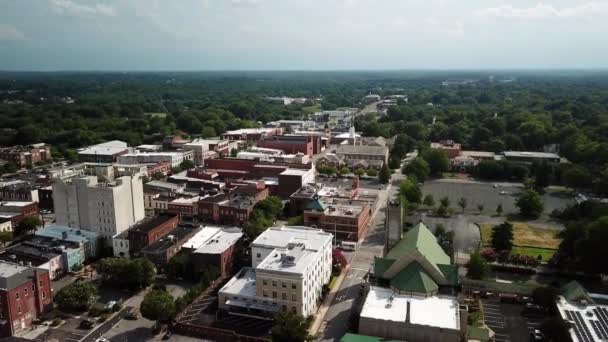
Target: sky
point(302, 34)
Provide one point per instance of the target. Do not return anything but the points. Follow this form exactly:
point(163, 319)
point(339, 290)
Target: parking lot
point(490, 195)
point(508, 322)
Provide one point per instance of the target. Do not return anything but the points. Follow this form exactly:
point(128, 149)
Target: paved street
point(338, 315)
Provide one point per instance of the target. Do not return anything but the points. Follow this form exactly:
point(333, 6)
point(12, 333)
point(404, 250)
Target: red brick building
point(251, 134)
point(232, 208)
point(289, 144)
point(18, 210)
point(347, 219)
point(25, 295)
point(214, 246)
point(151, 230)
point(451, 149)
point(29, 155)
point(184, 206)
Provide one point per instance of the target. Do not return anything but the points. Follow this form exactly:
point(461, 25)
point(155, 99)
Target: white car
point(110, 304)
point(102, 339)
point(503, 193)
point(495, 185)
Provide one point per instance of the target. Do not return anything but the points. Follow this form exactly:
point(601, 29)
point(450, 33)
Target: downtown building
point(290, 265)
point(107, 207)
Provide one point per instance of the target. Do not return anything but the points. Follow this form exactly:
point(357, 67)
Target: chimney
point(407, 314)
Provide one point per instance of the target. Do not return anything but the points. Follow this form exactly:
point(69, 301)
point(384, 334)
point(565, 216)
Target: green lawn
point(312, 109)
point(546, 253)
point(527, 240)
point(525, 235)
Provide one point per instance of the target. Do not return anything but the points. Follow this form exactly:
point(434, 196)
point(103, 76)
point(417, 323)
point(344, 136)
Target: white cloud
point(542, 11)
point(69, 7)
point(10, 33)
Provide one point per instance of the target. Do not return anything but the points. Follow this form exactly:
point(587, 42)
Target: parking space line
point(502, 335)
point(495, 313)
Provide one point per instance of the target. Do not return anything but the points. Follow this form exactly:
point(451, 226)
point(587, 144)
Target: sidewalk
point(316, 324)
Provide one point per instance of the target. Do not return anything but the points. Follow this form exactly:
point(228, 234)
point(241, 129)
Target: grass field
point(312, 109)
point(159, 115)
point(545, 253)
point(525, 235)
point(527, 240)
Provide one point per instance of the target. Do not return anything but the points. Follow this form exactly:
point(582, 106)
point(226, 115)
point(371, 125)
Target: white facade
point(6, 226)
point(120, 246)
point(105, 208)
point(290, 267)
point(175, 158)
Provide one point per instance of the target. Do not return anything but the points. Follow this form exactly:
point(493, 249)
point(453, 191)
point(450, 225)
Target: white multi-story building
point(175, 158)
point(290, 265)
point(106, 208)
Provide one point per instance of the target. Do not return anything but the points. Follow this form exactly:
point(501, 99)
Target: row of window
point(275, 283)
point(294, 297)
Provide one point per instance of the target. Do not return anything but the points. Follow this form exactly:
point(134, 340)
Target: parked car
point(87, 324)
point(495, 185)
point(102, 339)
point(110, 304)
point(536, 335)
point(503, 193)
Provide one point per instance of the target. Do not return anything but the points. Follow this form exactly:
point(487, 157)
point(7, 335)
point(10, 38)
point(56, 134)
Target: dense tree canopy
point(78, 296)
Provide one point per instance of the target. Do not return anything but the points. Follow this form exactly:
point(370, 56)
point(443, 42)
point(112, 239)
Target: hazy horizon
point(302, 35)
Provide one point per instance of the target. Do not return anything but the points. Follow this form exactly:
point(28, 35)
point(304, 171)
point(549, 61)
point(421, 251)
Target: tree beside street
point(130, 273)
point(499, 209)
point(77, 296)
point(418, 168)
point(437, 160)
point(27, 225)
point(429, 201)
point(530, 203)
point(410, 190)
point(462, 203)
point(289, 326)
point(157, 306)
point(384, 175)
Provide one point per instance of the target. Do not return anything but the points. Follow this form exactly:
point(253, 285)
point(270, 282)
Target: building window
point(293, 309)
point(293, 286)
point(33, 287)
point(284, 296)
point(17, 295)
point(43, 295)
point(19, 309)
point(264, 281)
point(41, 284)
point(293, 297)
point(25, 291)
point(274, 283)
point(265, 293)
point(274, 294)
point(284, 307)
point(284, 284)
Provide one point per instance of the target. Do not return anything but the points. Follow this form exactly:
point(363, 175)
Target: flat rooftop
point(250, 131)
point(243, 283)
point(384, 304)
point(293, 259)
point(107, 148)
point(15, 203)
point(281, 237)
point(294, 172)
point(148, 224)
point(10, 269)
point(169, 240)
point(526, 154)
point(589, 322)
point(218, 242)
point(185, 200)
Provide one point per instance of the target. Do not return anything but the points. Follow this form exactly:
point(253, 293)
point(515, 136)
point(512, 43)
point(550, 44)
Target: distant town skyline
point(48, 35)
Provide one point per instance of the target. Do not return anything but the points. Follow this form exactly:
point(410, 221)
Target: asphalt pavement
point(338, 315)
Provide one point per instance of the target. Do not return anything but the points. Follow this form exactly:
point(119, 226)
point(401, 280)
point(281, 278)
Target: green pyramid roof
point(420, 238)
point(413, 278)
point(381, 265)
point(316, 204)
